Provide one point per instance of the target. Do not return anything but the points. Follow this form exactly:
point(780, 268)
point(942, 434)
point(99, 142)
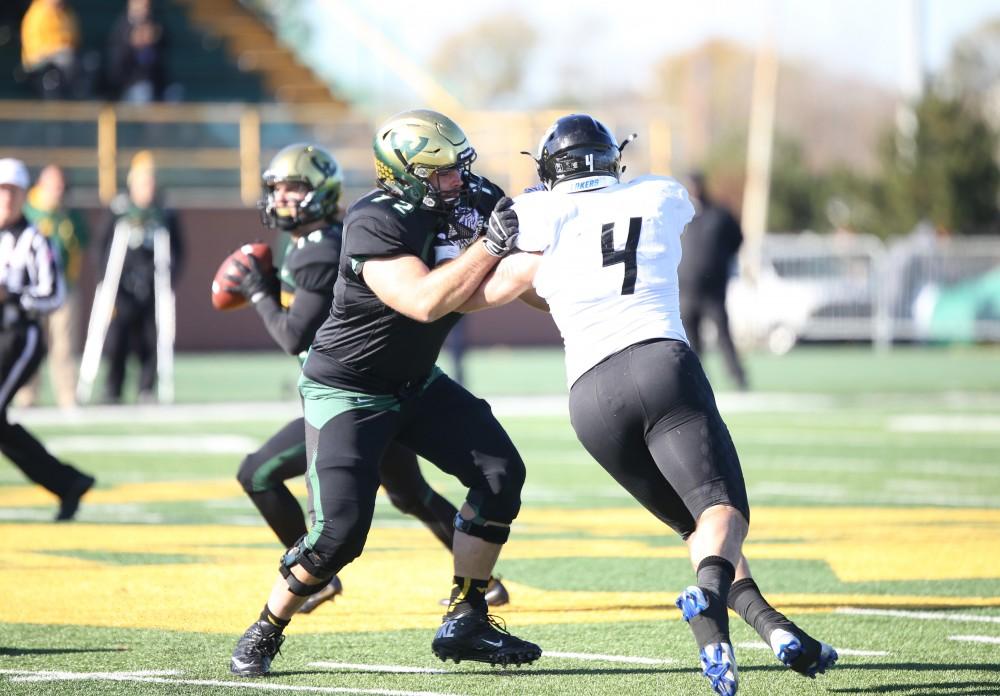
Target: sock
point(468, 594)
point(715, 575)
point(747, 601)
point(273, 621)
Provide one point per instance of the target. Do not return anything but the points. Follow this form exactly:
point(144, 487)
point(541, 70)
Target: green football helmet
point(410, 147)
point(307, 164)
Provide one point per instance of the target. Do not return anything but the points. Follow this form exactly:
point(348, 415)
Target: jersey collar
point(589, 183)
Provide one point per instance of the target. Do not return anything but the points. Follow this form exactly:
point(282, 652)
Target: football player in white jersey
point(603, 255)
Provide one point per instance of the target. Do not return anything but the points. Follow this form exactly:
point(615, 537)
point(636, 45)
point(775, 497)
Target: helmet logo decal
point(328, 169)
point(410, 148)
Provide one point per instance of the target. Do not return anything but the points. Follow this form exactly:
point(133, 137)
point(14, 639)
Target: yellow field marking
point(235, 567)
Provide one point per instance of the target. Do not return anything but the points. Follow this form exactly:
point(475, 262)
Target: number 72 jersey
point(609, 264)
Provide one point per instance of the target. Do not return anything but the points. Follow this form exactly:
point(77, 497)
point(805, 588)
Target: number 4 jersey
point(609, 264)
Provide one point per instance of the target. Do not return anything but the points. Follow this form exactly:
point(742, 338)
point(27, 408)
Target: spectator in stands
point(709, 244)
point(30, 286)
point(50, 38)
point(67, 234)
point(140, 215)
point(136, 62)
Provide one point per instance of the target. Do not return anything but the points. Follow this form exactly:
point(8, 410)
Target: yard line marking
point(957, 423)
point(61, 676)
point(240, 412)
point(922, 615)
point(977, 639)
point(401, 669)
point(181, 443)
point(840, 651)
point(25, 675)
point(609, 658)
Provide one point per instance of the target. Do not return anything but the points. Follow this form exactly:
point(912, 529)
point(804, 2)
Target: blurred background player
point(639, 400)
point(67, 233)
point(140, 215)
point(30, 286)
point(302, 186)
point(710, 244)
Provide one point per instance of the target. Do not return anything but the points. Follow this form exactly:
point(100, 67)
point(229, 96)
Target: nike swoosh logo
point(495, 645)
point(240, 664)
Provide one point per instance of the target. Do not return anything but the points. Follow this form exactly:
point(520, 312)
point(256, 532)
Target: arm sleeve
point(294, 329)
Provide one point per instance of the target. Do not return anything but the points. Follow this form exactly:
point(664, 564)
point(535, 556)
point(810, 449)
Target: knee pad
point(312, 562)
point(478, 527)
point(500, 507)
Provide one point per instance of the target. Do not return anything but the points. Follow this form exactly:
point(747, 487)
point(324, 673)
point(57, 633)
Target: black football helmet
point(579, 146)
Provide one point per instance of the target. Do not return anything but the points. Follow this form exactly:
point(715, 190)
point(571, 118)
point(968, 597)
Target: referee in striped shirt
point(30, 286)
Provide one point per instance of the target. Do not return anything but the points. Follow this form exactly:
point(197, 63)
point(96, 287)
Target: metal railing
point(212, 154)
point(859, 288)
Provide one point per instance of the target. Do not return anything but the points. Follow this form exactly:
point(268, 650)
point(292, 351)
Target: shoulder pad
point(378, 203)
point(318, 247)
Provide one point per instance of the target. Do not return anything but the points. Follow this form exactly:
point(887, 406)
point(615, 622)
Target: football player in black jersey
point(370, 381)
point(302, 189)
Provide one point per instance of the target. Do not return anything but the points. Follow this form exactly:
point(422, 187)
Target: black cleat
point(255, 650)
point(327, 594)
point(481, 638)
point(70, 503)
point(496, 594)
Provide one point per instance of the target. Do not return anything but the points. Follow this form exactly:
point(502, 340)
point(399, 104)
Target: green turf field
point(874, 481)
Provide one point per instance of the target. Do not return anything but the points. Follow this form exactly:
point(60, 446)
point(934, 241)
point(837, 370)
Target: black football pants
point(21, 352)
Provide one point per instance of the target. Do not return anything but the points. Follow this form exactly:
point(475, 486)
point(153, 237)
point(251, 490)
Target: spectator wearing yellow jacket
point(50, 37)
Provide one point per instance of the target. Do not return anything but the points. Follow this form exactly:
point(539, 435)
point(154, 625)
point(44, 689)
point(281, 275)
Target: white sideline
point(42, 676)
point(238, 412)
point(977, 639)
point(944, 423)
point(609, 658)
point(397, 669)
point(921, 615)
point(19, 675)
point(180, 444)
point(840, 651)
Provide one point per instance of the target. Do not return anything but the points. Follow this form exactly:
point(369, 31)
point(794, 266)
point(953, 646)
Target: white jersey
point(609, 264)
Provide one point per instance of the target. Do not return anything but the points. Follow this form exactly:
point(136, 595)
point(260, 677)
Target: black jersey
point(365, 345)
point(307, 276)
point(310, 262)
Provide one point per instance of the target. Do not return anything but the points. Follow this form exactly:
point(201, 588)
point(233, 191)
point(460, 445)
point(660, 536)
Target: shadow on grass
point(21, 652)
point(962, 688)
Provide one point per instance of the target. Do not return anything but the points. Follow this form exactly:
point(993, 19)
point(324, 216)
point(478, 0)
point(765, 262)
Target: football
point(224, 296)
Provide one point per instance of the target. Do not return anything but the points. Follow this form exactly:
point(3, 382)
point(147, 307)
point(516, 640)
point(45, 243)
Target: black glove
point(502, 231)
point(251, 282)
